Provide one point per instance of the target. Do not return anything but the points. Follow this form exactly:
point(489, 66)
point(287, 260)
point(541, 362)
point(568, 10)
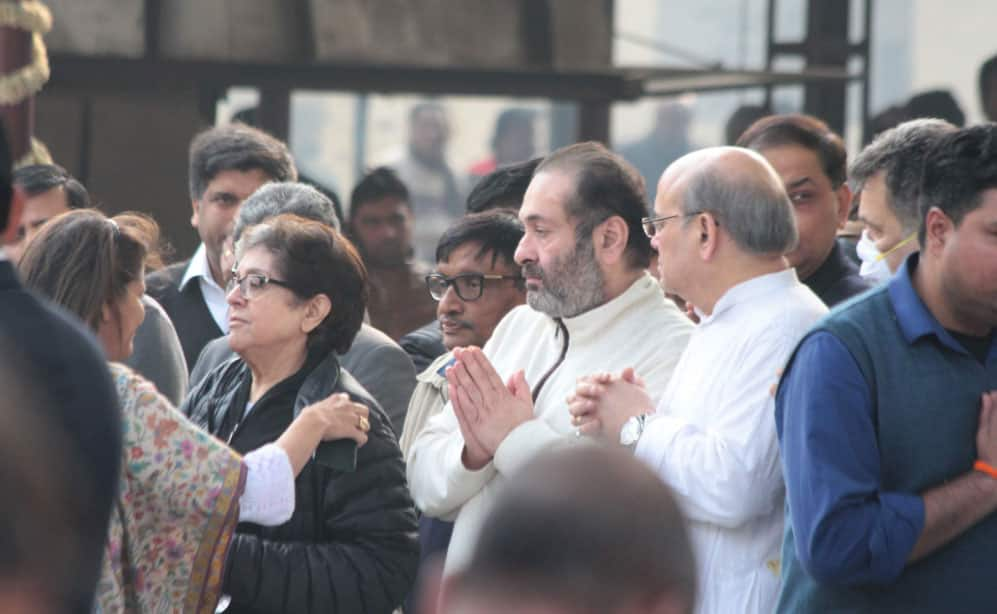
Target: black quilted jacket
point(351, 545)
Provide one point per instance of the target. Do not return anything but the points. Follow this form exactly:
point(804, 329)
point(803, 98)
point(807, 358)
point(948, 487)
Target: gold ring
point(364, 423)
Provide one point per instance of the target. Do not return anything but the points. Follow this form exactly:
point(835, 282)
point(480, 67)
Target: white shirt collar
point(3, 255)
point(747, 290)
point(198, 267)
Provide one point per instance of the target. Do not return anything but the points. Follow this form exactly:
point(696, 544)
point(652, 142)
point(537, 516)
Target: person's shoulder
point(130, 385)
point(158, 282)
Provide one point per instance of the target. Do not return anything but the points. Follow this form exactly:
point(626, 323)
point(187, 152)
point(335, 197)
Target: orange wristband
point(985, 468)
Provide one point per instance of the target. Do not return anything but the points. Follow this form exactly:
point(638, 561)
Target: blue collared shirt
point(847, 528)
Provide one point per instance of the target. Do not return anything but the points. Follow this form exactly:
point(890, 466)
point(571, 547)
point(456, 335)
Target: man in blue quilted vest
point(887, 417)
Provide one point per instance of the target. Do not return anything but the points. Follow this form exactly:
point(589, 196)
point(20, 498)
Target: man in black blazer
point(227, 164)
point(56, 360)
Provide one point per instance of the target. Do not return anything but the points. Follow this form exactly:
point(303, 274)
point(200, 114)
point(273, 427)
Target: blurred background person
point(226, 164)
point(377, 362)
point(43, 547)
point(381, 226)
point(987, 85)
point(582, 531)
point(161, 545)
point(812, 162)
point(436, 192)
point(886, 177)
point(667, 142)
point(512, 142)
point(297, 298)
point(49, 190)
point(741, 119)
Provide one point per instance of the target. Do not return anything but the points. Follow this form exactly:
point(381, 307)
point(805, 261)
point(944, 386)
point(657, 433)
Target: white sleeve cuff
point(269, 496)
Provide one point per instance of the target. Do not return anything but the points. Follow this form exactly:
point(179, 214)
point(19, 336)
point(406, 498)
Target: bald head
point(560, 541)
point(740, 188)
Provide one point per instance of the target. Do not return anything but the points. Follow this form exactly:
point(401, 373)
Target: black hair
point(497, 232)
point(938, 104)
point(988, 72)
point(237, 147)
point(741, 119)
point(606, 185)
point(803, 130)
point(509, 119)
point(957, 170)
point(502, 188)
point(378, 183)
point(37, 179)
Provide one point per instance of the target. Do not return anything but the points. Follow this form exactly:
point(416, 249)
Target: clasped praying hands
point(486, 408)
point(602, 402)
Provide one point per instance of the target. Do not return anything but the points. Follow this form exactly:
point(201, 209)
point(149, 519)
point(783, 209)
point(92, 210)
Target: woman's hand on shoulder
point(337, 417)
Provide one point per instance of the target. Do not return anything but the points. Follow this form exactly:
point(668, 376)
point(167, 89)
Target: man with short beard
point(591, 307)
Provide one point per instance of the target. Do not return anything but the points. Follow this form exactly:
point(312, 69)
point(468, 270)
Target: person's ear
point(195, 206)
point(610, 239)
point(844, 196)
point(937, 227)
point(17, 198)
point(709, 235)
point(316, 310)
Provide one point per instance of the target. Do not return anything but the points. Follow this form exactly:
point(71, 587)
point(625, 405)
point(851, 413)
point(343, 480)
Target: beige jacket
point(428, 399)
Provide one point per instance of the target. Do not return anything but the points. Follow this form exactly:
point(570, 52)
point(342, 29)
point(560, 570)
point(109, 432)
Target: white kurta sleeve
point(727, 472)
point(269, 496)
point(524, 442)
point(438, 480)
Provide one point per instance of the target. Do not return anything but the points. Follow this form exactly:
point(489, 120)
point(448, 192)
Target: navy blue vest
point(926, 405)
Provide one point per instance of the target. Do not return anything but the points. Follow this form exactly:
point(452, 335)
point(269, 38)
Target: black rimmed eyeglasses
point(252, 285)
point(468, 286)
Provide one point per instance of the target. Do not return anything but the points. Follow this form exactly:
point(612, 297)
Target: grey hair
point(755, 211)
point(900, 152)
point(274, 199)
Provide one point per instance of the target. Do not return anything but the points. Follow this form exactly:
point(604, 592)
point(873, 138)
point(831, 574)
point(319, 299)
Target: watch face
point(630, 432)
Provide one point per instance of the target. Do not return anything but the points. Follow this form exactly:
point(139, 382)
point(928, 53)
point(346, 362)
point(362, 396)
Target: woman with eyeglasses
point(181, 491)
point(296, 298)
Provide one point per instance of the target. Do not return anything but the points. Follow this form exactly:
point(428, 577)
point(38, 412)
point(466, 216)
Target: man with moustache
point(591, 307)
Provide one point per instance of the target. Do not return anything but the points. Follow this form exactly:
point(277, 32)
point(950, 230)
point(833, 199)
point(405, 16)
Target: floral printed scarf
point(176, 512)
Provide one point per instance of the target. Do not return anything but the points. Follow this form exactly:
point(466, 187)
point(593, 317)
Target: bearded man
point(591, 307)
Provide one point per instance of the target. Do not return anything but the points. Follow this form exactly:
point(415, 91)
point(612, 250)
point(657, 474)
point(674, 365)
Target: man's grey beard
point(571, 286)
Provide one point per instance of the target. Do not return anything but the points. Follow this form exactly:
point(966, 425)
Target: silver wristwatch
point(632, 430)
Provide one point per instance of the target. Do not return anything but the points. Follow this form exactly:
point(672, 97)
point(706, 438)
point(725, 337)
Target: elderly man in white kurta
point(722, 224)
point(591, 307)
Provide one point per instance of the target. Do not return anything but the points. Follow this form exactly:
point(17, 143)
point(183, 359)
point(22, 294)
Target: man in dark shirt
point(812, 163)
point(54, 352)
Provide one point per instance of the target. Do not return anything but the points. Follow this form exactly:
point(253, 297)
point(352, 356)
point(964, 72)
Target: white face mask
point(874, 267)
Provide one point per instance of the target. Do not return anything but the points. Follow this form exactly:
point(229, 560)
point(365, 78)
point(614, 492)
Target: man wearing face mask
point(886, 177)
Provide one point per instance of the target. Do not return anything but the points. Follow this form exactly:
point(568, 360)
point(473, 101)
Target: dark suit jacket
point(424, 345)
point(376, 361)
point(838, 279)
point(64, 362)
point(187, 309)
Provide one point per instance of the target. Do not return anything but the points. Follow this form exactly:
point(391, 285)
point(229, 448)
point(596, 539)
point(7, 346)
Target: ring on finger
point(364, 423)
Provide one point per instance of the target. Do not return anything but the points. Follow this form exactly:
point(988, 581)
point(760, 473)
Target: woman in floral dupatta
point(176, 511)
point(182, 491)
